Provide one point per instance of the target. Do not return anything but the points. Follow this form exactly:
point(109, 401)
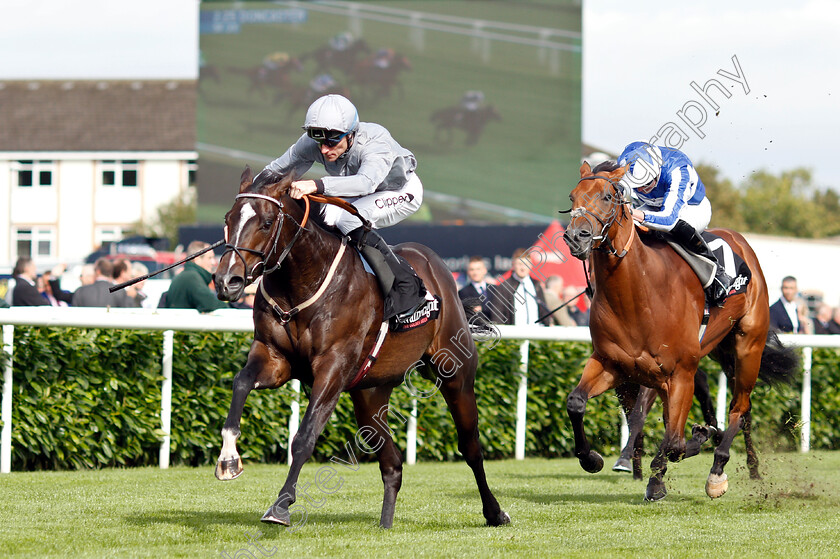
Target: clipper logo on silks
point(394, 200)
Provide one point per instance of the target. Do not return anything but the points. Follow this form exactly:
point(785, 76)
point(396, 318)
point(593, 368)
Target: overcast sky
point(639, 61)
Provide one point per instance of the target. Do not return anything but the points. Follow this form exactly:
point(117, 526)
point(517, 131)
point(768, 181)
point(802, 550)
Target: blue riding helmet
point(645, 164)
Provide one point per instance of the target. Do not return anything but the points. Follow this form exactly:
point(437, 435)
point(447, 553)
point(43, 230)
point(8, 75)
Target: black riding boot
point(689, 238)
point(402, 289)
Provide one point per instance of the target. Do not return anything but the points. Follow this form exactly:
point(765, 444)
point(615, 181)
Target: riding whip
point(132, 281)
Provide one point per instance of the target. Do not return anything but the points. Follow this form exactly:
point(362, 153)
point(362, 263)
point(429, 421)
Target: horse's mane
point(267, 178)
point(608, 165)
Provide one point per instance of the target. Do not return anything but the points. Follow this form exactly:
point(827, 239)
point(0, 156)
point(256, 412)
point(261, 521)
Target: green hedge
point(91, 398)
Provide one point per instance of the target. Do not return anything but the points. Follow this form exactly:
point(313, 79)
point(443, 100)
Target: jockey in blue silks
point(668, 196)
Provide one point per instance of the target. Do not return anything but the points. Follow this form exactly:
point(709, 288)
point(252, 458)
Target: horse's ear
point(585, 169)
point(278, 189)
point(246, 179)
point(618, 173)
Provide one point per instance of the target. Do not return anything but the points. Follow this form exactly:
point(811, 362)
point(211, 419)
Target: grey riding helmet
point(330, 118)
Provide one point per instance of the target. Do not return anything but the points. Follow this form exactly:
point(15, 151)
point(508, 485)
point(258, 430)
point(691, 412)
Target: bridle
point(603, 239)
point(273, 238)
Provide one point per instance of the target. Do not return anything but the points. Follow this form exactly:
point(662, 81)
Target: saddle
point(732, 263)
point(430, 310)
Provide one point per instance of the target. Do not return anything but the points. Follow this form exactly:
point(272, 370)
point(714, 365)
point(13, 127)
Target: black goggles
point(329, 138)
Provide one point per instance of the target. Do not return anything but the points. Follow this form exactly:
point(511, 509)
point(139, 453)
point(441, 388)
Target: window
point(35, 242)
point(120, 173)
point(107, 234)
point(32, 174)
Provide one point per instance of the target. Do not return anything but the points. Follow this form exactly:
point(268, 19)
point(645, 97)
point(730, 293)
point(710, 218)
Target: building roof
point(98, 115)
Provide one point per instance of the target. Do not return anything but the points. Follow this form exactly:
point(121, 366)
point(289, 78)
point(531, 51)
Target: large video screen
point(487, 94)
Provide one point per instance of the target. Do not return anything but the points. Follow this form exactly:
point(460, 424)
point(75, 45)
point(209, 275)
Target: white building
point(82, 161)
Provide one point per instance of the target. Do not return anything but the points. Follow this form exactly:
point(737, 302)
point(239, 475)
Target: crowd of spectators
point(790, 313)
point(192, 287)
point(519, 298)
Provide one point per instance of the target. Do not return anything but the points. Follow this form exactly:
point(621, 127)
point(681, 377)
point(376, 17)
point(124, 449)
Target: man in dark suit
point(783, 317)
point(474, 293)
point(97, 294)
point(26, 293)
point(518, 300)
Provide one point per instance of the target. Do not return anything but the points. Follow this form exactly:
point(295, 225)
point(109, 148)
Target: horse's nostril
point(584, 233)
point(234, 283)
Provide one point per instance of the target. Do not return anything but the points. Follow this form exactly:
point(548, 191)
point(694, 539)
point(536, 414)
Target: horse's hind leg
point(371, 409)
point(752, 456)
point(459, 392)
point(632, 451)
point(261, 371)
point(748, 350)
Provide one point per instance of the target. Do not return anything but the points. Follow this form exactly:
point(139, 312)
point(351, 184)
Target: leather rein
point(274, 236)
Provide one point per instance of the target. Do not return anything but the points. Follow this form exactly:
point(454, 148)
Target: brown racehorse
point(325, 343)
point(645, 320)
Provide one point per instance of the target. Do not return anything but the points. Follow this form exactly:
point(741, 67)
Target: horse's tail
point(780, 364)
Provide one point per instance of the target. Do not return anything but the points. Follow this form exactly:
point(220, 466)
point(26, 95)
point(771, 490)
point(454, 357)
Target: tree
point(724, 196)
point(179, 211)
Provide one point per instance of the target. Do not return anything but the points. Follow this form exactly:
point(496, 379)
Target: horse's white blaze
point(245, 214)
point(228, 445)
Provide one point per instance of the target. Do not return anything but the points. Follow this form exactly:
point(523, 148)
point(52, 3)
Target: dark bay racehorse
point(645, 320)
point(328, 339)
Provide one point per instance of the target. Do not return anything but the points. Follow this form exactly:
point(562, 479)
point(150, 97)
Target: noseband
point(273, 239)
point(607, 223)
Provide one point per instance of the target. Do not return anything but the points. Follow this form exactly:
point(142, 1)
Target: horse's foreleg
point(371, 409)
point(458, 391)
point(325, 392)
point(594, 381)
point(676, 403)
point(261, 371)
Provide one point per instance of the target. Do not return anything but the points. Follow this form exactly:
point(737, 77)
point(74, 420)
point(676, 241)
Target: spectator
point(123, 272)
point(88, 274)
point(581, 317)
point(806, 325)
point(97, 294)
point(834, 326)
point(822, 319)
point(474, 293)
point(518, 300)
point(45, 282)
point(52, 287)
point(191, 288)
point(26, 293)
point(554, 298)
point(783, 313)
point(137, 270)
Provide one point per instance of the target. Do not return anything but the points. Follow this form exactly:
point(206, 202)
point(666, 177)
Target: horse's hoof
point(276, 515)
point(622, 465)
point(655, 491)
point(592, 463)
point(699, 433)
point(716, 485)
point(499, 520)
point(227, 470)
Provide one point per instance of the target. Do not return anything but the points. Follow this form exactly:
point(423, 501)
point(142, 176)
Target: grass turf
point(556, 509)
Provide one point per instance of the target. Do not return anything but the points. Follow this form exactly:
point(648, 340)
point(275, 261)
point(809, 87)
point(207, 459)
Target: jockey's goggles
point(329, 138)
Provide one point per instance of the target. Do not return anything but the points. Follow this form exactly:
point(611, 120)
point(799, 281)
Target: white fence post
point(522, 401)
point(721, 401)
point(806, 399)
point(6, 437)
point(166, 397)
point(411, 435)
point(294, 418)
